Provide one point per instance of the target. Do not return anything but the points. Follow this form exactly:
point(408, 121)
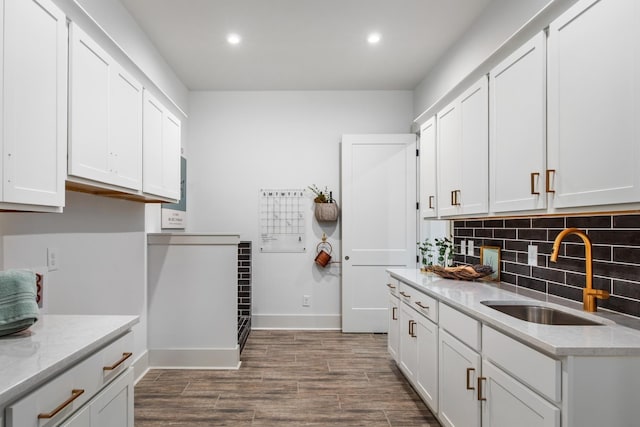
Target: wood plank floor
point(288, 378)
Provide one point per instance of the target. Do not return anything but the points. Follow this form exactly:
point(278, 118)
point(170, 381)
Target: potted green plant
point(445, 251)
point(426, 254)
point(326, 208)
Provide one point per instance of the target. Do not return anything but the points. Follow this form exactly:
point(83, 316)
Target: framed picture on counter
point(490, 255)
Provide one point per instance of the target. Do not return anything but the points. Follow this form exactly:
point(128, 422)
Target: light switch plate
point(470, 247)
point(532, 255)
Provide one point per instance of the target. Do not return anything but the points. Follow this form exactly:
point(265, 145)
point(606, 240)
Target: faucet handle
point(597, 293)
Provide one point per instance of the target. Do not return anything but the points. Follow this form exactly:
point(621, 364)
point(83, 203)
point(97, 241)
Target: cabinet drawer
point(393, 285)
point(419, 301)
point(458, 324)
point(530, 366)
point(67, 392)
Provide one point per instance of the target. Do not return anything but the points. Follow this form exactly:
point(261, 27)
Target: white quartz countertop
point(52, 345)
point(611, 339)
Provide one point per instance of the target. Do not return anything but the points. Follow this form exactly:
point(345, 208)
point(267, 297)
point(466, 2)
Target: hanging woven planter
point(326, 211)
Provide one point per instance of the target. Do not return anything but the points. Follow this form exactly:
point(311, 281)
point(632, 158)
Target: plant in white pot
point(326, 208)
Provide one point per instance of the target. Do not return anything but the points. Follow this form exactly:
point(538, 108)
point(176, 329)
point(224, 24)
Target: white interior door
point(379, 217)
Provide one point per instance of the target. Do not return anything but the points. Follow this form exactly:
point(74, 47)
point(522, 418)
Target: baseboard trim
point(195, 358)
point(296, 321)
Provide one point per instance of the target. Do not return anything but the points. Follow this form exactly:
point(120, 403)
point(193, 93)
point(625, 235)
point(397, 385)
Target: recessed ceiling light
point(234, 38)
point(374, 38)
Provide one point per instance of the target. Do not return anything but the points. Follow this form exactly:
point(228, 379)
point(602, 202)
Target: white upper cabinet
point(594, 104)
point(517, 142)
point(105, 143)
point(34, 105)
point(161, 150)
point(428, 161)
point(463, 153)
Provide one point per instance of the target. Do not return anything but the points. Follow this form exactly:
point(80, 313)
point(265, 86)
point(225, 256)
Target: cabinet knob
point(346, 258)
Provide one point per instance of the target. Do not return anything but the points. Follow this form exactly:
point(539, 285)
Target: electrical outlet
point(53, 259)
point(463, 247)
point(532, 255)
point(306, 300)
point(470, 247)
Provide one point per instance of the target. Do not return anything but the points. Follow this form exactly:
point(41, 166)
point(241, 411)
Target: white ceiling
point(303, 44)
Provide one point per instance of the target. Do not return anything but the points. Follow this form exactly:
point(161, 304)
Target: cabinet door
point(427, 369)
point(113, 407)
point(594, 104)
point(82, 418)
point(393, 337)
point(518, 129)
point(89, 152)
point(448, 154)
point(125, 138)
point(408, 342)
point(509, 403)
point(161, 150)
point(34, 103)
point(171, 156)
point(428, 162)
point(459, 368)
point(473, 156)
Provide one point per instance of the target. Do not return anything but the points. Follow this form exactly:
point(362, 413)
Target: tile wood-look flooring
point(288, 378)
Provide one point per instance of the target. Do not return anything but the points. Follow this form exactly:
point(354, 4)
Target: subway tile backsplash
point(616, 255)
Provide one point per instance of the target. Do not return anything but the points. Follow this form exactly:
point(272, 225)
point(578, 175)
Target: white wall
point(101, 253)
point(500, 20)
point(241, 142)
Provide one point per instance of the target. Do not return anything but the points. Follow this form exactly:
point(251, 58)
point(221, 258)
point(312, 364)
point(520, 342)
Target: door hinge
point(417, 258)
point(417, 152)
point(417, 206)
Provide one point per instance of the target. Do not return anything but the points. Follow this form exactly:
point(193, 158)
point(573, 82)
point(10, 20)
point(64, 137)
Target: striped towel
point(18, 306)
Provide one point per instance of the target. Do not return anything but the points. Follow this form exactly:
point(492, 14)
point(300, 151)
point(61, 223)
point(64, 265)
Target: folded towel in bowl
point(18, 304)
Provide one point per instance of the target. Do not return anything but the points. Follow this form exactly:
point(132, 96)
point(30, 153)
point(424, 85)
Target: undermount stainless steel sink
point(540, 314)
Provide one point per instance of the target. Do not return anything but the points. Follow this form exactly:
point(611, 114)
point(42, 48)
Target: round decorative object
point(326, 211)
point(463, 272)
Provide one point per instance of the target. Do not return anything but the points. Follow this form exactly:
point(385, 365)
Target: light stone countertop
point(51, 346)
point(620, 336)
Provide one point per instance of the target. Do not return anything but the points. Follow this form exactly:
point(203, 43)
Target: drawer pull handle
point(75, 393)
point(411, 326)
point(419, 304)
point(405, 295)
point(548, 181)
point(534, 177)
point(124, 357)
point(469, 386)
point(391, 286)
point(480, 397)
point(394, 313)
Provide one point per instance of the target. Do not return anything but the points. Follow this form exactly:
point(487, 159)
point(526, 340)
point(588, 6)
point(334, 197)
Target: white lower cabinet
point(507, 403)
point(95, 392)
point(426, 380)
point(113, 407)
point(393, 343)
point(459, 368)
point(419, 350)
